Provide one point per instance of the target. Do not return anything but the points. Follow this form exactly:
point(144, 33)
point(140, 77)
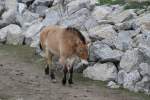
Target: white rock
point(123, 16)
point(102, 31)
point(13, 34)
point(52, 16)
point(123, 41)
point(21, 7)
point(32, 32)
point(131, 79)
point(101, 12)
point(121, 76)
point(144, 69)
point(103, 72)
point(130, 60)
point(103, 52)
point(113, 85)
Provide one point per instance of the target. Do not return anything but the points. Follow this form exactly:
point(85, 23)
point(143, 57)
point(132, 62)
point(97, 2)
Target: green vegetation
point(128, 5)
point(111, 2)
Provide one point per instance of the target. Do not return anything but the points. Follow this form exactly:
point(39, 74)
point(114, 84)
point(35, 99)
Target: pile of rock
point(120, 39)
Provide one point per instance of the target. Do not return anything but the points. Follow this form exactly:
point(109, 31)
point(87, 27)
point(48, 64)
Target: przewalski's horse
point(66, 43)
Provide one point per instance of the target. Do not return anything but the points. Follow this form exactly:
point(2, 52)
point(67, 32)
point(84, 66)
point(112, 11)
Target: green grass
point(111, 2)
point(128, 5)
point(27, 54)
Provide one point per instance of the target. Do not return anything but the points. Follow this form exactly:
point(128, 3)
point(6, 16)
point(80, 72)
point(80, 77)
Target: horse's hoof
point(47, 71)
point(70, 82)
point(63, 82)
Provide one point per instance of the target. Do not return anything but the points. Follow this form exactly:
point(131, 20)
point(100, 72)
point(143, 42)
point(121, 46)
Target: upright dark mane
point(77, 32)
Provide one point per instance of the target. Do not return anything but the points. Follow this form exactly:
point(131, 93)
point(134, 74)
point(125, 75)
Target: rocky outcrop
point(103, 72)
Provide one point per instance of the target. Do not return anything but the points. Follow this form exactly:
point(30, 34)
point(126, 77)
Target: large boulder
point(123, 41)
point(77, 19)
point(101, 12)
point(76, 5)
point(103, 52)
point(131, 79)
point(21, 8)
point(143, 85)
point(123, 16)
point(145, 49)
point(31, 33)
point(11, 34)
point(43, 3)
point(27, 18)
point(143, 22)
point(14, 35)
point(103, 72)
point(52, 16)
point(131, 60)
point(144, 69)
point(9, 13)
point(102, 31)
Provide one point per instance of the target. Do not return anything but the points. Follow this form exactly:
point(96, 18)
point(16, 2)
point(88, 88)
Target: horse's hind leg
point(71, 75)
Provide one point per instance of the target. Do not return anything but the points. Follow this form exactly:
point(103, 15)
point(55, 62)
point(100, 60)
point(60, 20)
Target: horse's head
point(82, 51)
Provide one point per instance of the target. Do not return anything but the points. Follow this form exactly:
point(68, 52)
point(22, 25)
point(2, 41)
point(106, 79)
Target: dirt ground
point(22, 78)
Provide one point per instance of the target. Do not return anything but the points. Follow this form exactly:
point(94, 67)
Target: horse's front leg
point(65, 70)
point(71, 75)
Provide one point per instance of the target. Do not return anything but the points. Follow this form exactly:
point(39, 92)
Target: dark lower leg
point(71, 76)
point(65, 75)
point(52, 74)
point(47, 70)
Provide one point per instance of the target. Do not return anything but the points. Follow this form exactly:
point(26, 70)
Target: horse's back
point(50, 37)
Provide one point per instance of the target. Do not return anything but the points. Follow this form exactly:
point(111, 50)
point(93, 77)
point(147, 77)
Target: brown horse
point(66, 43)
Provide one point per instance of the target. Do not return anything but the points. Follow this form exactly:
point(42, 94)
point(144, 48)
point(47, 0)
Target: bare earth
point(22, 78)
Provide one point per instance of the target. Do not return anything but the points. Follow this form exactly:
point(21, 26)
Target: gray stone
point(32, 32)
point(12, 33)
point(9, 16)
point(103, 52)
point(113, 85)
point(21, 7)
point(124, 26)
point(102, 32)
point(41, 10)
point(121, 76)
point(145, 49)
point(90, 23)
point(76, 5)
point(143, 85)
point(123, 16)
point(144, 69)
point(42, 3)
point(131, 79)
point(131, 60)
point(103, 72)
point(101, 12)
point(77, 19)
point(143, 22)
point(52, 16)
point(27, 18)
point(123, 41)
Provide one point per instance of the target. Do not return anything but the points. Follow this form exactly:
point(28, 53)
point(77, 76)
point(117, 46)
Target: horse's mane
point(77, 32)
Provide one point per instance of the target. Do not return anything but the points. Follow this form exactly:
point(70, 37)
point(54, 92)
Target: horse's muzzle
point(84, 62)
